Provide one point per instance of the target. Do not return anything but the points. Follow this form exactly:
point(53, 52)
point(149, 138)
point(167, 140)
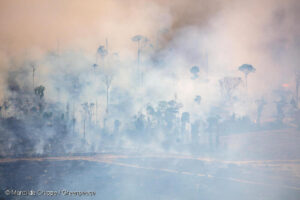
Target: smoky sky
point(29, 28)
point(44, 24)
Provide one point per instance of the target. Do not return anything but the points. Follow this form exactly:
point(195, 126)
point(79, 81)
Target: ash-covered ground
point(148, 177)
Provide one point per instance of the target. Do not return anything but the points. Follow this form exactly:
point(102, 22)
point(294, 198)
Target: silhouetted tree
point(94, 67)
point(195, 72)
point(33, 66)
point(117, 125)
point(198, 99)
point(293, 103)
point(280, 112)
point(102, 51)
point(140, 122)
point(141, 42)
point(39, 91)
point(87, 115)
point(260, 106)
point(107, 80)
point(185, 119)
point(213, 130)
point(246, 69)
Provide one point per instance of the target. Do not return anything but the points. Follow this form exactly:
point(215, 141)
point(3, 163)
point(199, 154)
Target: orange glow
point(285, 85)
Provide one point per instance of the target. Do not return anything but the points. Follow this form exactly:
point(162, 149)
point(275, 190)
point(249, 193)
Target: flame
point(285, 85)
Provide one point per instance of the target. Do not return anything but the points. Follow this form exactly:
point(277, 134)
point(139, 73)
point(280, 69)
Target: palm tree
point(94, 67)
point(246, 69)
point(102, 51)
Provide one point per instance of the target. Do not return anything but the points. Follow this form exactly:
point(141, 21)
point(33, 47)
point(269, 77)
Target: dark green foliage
point(195, 71)
point(39, 91)
point(47, 115)
point(102, 51)
point(137, 38)
point(185, 117)
point(198, 99)
point(246, 68)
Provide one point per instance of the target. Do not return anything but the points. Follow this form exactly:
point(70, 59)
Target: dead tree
point(142, 41)
point(228, 85)
point(107, 81)
point(33, 66)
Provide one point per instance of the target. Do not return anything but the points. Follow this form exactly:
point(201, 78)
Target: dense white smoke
point(61, 38)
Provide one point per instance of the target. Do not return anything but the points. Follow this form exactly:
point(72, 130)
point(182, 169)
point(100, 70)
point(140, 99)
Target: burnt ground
point(150, 177)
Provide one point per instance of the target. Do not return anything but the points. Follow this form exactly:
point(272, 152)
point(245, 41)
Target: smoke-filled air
point(161, 99)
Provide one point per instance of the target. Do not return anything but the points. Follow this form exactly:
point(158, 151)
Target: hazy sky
point(36, 25)
point(41, 24)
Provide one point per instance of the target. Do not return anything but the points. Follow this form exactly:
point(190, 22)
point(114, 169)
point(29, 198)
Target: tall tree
point(102, 52)
point(198, 99)
point(185, 119)
point(260, 106)
point(39, 91)
point(247, 69)
point(87, 115)
point(141, 42)
point(195, 71)
point(107, 81)
point(33, 66)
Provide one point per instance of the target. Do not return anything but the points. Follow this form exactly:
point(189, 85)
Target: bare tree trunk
point(138, 62)
point(108, 80)
point(33, 71)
